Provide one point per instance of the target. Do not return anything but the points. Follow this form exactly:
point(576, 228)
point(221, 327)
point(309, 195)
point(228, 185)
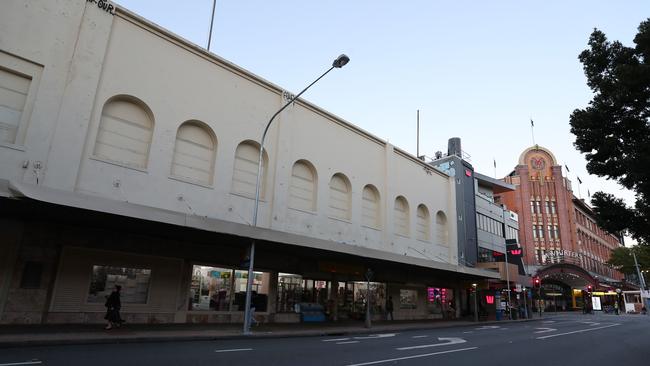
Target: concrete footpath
point(50, 335)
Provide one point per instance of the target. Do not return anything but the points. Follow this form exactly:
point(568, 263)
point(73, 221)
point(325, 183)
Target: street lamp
point(339, 62)
point(369, 275)
point(475, 303)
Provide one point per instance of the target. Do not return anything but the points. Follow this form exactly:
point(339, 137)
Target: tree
point(621, 258)
point(614, 131)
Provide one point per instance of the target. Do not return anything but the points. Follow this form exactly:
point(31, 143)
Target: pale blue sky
point(478, 70)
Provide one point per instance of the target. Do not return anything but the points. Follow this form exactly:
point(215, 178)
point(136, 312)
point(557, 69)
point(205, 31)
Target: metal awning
point(132, 210)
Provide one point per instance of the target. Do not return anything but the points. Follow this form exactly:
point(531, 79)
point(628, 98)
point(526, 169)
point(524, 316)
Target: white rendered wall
point(88, 56)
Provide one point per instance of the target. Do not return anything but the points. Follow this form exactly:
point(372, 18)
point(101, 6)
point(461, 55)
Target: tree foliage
point(622, 260)
point(614, 131)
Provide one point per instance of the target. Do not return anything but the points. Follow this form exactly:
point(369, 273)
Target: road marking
point(230, 350)
point(410, 357)
point(549, 321)
point(335, 339)
point(545, 330)
point(578, 331)
point(591, 324)
point(33, 362)
point(420, 336)
point(448, 341)
point(348, 342)
point(488, 327)
point(468, 332)
point(376, 336)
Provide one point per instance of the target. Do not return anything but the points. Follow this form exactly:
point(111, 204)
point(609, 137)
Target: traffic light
point(589, 288)
point(537, 282)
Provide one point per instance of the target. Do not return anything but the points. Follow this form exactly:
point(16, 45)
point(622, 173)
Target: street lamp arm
point(266, 130)
point(339, 62)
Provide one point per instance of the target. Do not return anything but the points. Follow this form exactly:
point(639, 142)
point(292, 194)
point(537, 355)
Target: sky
point(478, 70)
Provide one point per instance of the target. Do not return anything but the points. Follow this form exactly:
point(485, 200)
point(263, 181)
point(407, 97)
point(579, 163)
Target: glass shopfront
point(224, 289)
point(352, 299)
point(441, 301)
point(134, 283)
point(351, 296)
point(290, 288)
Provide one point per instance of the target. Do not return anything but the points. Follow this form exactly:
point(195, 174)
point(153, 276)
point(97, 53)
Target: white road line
point(447, 342)
point(420, 336)
point(468, 332)
point(549, 321)
point(348, 342)
point(35, 362)
point(545, 330)
point(230, 350)
point(335, 339)
point(577, 331)
point(410, 357)
point(376, 336)
point(591, 324)
point(488, 327)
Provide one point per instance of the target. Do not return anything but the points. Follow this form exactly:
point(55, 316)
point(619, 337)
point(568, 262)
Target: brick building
point(561, 241)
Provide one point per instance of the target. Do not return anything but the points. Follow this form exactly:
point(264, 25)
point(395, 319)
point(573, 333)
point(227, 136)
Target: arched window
point(340, 197)
point(194, 152)
point(125, 131)
point(401, 216)
point(442, 232)
point(244, 174)
point(370, 207)
point(423, 226)
point(302, 187)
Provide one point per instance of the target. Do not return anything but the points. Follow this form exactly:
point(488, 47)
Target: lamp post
point(508, 307)
point(475, 302)
point(369, 275)
point(340, 61)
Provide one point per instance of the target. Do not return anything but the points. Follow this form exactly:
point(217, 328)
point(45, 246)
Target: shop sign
point(436, 294)
point(104, 5)
point(561, 253)
point(595, 301)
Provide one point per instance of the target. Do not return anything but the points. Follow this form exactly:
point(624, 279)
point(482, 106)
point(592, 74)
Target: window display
point(377, 297)
point(134, 282)
point(440, 300)
point(289, 292)
point(224, 289)
point(408, 299)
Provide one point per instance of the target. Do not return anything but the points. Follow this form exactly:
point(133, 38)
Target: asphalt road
point(571, 339)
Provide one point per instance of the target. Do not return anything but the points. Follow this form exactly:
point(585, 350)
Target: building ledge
point(128, 209)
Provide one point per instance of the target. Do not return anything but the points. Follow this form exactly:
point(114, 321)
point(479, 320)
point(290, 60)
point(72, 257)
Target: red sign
point(489, 299)
point(515, 252)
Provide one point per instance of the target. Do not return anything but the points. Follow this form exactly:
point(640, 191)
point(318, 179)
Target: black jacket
point(113, 301)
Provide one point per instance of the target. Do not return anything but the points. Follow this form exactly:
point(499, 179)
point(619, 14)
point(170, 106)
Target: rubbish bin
point(499, 314)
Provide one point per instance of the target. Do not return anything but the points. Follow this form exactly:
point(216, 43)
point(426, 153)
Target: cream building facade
point(129, 155)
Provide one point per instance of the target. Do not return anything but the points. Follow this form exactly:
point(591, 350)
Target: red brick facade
point(555, 226)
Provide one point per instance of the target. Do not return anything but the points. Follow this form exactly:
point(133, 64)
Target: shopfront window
point(408, 299)
point(377, 297)
point(134, 282)
point(224, 289)
point(440, 301)
point(289, 292)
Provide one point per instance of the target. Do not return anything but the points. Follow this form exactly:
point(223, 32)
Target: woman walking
point(113, 305)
